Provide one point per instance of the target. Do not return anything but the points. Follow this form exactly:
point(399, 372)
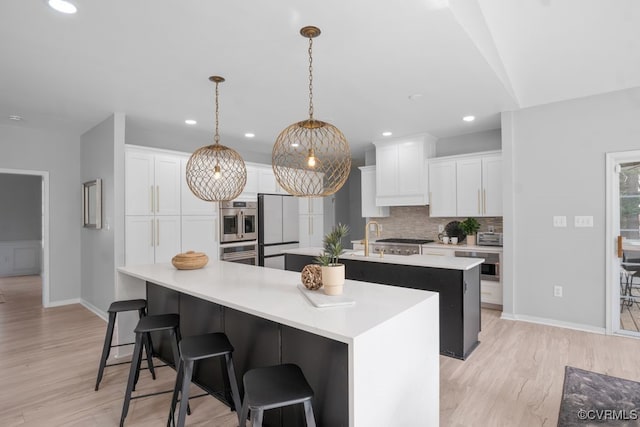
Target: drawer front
point(491, 292)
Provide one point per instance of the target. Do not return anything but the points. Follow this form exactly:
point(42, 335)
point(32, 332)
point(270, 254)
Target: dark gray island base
point(459, 295)
point(259, 342)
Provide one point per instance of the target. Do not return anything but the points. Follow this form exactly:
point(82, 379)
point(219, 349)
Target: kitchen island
point(374, 363)
point(457, 280)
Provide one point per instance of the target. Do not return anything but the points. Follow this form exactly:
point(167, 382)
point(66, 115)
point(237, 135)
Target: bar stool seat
point(274, 387)
point(139, 305)
point(192, 349)
point(154, 323)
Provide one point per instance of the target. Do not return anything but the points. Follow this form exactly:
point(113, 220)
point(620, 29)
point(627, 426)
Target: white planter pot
point(333, 279)
point(471, 240)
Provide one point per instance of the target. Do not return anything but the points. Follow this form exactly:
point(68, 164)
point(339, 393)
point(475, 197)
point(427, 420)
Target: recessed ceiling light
point(63, 6)
point(15, 118)
point(249, 135)
point(190, 122)
point(415, 96)
point(469, 118)
point(387, 133)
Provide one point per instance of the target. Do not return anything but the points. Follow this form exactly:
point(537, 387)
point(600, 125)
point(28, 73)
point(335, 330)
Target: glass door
point(629, 245)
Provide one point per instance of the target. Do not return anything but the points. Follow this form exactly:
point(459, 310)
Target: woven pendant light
point(311, 158)
point(216, 173)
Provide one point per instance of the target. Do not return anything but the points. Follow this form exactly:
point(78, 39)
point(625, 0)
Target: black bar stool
point(275, 387)
point(146, 325)
point(116, 307)
point(192, 349)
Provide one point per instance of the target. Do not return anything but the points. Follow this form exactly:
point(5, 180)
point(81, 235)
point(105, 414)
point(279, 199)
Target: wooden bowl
point(190, 260)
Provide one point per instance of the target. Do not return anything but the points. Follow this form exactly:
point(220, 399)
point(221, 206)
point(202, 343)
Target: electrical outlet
point(491, 229)
point(557, 291)
point(583, 221)
point(440, 228)
point(559, 221)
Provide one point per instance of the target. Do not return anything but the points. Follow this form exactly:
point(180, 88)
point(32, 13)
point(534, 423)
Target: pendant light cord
point(310, 79)
point(216, 137)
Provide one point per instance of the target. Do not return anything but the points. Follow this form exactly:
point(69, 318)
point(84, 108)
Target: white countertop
point(434, 261)
point(464, 247)
point(272, 294)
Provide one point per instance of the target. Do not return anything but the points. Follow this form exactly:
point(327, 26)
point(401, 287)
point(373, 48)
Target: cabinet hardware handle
point(153, 239)
point(158, 232)
point(479, 208)
point(157, 198)
point(620, 252)
point(152, 200)
point(484, 201)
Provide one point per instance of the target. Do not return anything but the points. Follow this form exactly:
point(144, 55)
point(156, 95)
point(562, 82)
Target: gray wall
point(98, 160)
point(469, 143)
point(21, 209)
point(59, 154)
point(555, 165)
point(347, 208)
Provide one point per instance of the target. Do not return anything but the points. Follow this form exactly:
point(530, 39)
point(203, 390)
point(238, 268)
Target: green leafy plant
point(332, 243)
point(470, 226)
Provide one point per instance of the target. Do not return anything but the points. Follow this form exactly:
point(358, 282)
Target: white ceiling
point(152, 59)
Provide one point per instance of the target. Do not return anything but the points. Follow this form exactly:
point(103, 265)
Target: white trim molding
point(553, 322)
point(60, 303)
point(95, 310)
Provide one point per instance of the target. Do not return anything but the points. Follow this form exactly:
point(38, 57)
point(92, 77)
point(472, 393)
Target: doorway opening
point(43, 253)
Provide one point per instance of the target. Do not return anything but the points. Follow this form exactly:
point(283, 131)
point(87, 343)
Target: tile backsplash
point(414, 222)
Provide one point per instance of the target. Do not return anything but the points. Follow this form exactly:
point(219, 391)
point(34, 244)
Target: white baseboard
point(95, 310)
point(63, 302)
point(553, 322)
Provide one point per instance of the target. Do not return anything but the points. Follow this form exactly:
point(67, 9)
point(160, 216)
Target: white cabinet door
point(491, 292)
point(368, 194)
point(267, 182)
point(469, 187)
point(139, 183)
point(442, 187)
point(250, 192)
point(311, 229)
point(311, 205)
point(167, 237)
point(199, 234)
point(387, 171)
point(192, 205)
point(492, 183)
point(167, 181)
point(139, 240)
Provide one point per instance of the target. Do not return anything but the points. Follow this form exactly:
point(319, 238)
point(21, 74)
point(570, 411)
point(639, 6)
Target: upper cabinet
point(250, 191)
point(402, 171)
point(192, 205)
point(368, 194)
point(152, 182)
point(468, 185)
point(267, 183)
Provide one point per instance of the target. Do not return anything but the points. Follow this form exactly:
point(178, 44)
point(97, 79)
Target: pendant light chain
point(216, 137)
point(310, 79)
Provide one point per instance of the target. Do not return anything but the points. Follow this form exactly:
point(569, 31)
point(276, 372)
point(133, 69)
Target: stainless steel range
point(399, 246)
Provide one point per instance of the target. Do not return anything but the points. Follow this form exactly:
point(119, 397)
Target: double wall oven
point(239, 232)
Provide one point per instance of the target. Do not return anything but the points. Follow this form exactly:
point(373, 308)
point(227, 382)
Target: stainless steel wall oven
point(238, 221)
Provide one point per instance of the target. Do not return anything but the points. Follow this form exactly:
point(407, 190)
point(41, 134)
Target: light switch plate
point(583, 221)
point(559, 221)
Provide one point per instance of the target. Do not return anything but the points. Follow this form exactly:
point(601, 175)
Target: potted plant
point(470, 227)
point(332, 271)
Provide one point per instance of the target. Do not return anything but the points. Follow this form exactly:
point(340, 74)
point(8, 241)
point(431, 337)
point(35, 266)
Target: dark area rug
point(592, 399)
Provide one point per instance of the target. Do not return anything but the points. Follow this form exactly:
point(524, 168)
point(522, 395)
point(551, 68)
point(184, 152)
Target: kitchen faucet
point(366, 235)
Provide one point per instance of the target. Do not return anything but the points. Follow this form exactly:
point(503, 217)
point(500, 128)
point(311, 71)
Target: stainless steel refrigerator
point(277, 228)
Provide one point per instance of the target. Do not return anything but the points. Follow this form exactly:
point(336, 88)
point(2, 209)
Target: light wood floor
point(49, 358)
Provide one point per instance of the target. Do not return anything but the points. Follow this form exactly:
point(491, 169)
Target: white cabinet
point(401, 171)
point(464, 186)
point(368, 194)
point(267, 183)
point(490, 292)
point(199, 234)
point(442, 182)
point(250, 191)
point(151, 239)
point(192, 205)
point(492, 185)
point(311, 221)
point(152, 183)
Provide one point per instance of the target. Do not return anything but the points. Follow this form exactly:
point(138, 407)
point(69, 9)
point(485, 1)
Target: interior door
point(623, 242)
